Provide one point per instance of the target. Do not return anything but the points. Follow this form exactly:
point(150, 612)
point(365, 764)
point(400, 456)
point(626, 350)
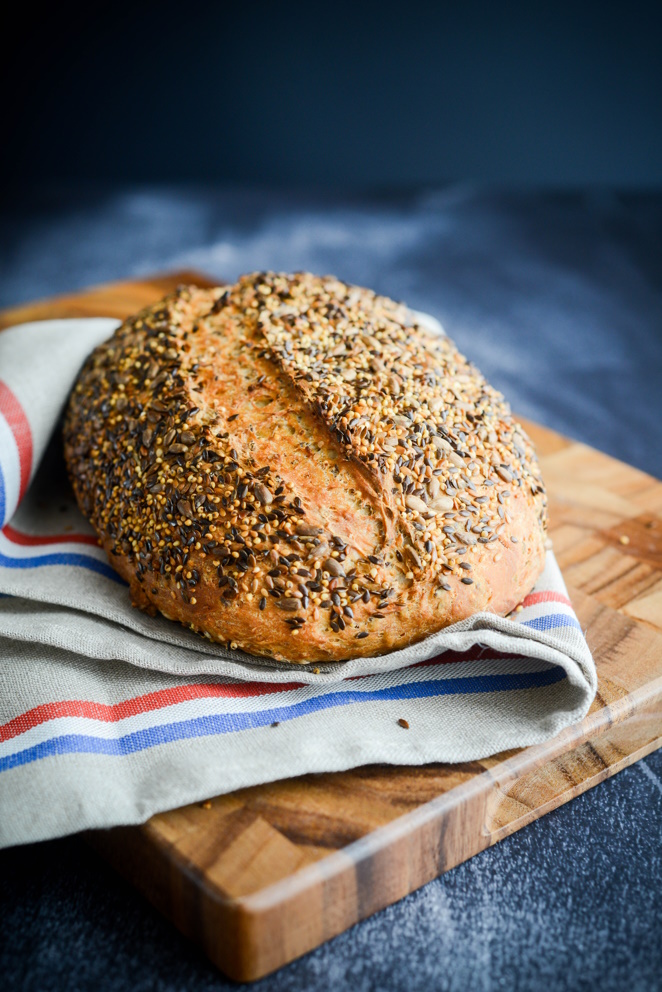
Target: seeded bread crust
point(293, 466)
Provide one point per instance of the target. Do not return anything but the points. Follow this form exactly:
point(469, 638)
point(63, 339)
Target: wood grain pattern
point(114, 299)
point(265, 874)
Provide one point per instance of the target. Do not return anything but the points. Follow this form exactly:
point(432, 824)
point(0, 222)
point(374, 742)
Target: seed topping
point(168, 477)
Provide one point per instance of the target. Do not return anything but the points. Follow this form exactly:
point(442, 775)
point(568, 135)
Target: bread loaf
point(295, 467)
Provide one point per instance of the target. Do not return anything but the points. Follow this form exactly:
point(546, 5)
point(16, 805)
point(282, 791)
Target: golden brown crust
point(293, 466)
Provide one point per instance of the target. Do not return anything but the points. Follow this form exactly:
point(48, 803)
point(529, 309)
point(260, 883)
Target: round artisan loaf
point(297, 468)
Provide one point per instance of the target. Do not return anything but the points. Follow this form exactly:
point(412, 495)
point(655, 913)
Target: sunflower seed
point(288, 603)
point(333, 567)
point(263, 494)
point(441, 503)
point(414, 503)
point(307, 530)
point(412, 557)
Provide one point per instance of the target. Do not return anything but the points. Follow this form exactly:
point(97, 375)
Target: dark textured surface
point(377, 91)
point(558, 298)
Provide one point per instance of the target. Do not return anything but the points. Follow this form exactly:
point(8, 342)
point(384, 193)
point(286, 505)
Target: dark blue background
point(351, 93)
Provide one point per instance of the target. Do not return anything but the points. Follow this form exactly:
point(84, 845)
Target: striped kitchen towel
point(108, 715)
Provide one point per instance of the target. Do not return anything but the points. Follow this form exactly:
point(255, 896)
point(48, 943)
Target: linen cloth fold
point(108, 716)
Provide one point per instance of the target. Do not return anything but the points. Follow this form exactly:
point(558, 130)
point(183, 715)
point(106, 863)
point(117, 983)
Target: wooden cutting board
point(265, 874)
